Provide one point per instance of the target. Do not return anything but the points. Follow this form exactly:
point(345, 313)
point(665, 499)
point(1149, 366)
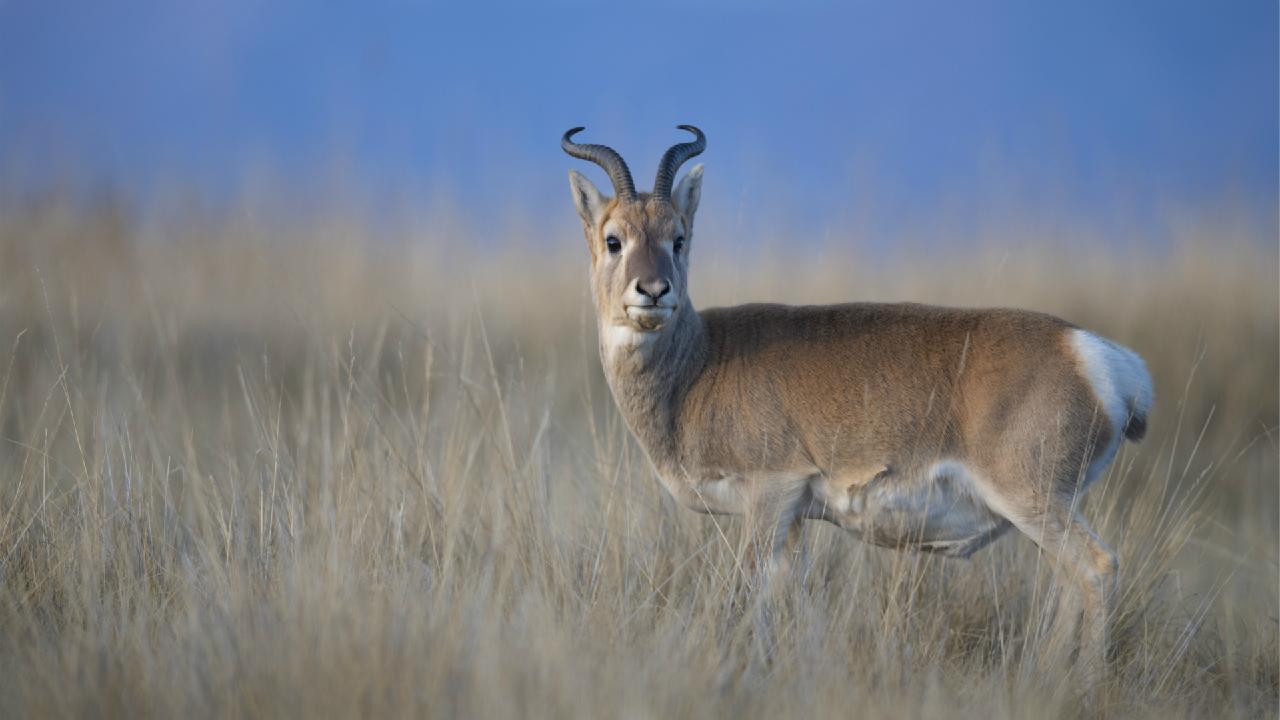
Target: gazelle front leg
point(772, 548)
point(774, 532)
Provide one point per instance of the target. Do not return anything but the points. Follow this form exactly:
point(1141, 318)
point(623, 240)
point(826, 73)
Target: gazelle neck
point(650, 375)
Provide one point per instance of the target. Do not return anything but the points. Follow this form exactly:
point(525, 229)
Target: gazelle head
point(639, 242)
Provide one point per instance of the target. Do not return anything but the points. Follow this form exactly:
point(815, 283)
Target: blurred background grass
point(330, 466)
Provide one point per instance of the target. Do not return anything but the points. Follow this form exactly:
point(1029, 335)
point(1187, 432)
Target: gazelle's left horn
point(673, 158)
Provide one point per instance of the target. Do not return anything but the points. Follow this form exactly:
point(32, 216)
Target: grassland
point(281, 469)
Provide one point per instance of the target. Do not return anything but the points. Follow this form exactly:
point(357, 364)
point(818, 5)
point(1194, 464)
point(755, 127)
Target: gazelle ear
point(686, 195)
point(587, 199)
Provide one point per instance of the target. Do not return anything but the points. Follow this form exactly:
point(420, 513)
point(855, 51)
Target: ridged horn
point(607, 158)
point(673, 158)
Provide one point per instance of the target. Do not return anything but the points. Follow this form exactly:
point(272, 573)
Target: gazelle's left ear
point(686, 195)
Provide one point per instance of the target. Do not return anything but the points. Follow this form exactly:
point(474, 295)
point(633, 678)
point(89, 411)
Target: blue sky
point(812, 110)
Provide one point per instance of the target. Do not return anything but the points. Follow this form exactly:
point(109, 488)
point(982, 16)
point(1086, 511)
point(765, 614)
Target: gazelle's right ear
point(587, 199)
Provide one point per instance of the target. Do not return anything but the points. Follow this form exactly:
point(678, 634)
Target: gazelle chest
point(713, 493)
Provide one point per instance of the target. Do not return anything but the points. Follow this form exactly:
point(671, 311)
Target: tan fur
point(909, 425)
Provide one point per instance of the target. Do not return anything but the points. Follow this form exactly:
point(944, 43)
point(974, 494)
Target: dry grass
point(247, 471)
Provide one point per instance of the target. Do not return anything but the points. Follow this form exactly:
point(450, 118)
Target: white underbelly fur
point(941, 510)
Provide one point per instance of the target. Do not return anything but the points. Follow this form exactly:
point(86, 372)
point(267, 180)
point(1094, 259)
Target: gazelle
point(909, 425)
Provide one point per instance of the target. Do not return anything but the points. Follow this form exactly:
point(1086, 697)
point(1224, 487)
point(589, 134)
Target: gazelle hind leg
point(1100, 570)
point(1084, 563)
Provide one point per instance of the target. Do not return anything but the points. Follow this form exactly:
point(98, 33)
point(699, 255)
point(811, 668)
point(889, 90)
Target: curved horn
point(607, 158)
point(673, 158)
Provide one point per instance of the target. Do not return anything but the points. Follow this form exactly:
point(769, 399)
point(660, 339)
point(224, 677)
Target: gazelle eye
point(614, 244)
point(678, 245)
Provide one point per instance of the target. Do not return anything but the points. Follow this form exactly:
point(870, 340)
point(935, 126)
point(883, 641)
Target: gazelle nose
point(653, 289)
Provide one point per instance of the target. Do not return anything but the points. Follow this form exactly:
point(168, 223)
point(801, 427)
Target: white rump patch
point(1120, 384)
point(1117, 375)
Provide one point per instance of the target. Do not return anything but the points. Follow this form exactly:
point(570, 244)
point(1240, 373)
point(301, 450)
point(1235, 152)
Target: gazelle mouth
point(649, 317)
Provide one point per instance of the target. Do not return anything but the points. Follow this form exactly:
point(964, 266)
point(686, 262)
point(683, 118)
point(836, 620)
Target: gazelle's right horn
point(607, 158)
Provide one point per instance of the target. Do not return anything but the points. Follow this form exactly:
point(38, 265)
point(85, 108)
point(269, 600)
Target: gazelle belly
point(939, 510)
